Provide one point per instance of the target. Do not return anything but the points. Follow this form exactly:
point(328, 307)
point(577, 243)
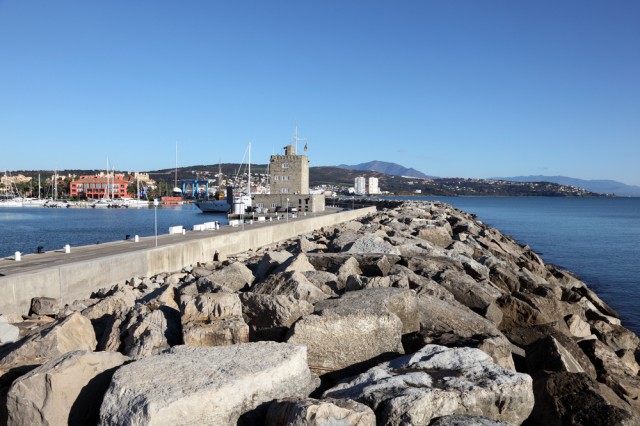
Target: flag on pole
point(305, 147)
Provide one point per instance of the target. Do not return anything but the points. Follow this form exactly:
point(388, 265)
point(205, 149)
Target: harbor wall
point(77, 279)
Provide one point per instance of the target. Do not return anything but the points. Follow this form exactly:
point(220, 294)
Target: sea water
point(23, 229)
point(597, 239)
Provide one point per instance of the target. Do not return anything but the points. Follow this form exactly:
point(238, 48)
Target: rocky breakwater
point(416, 315)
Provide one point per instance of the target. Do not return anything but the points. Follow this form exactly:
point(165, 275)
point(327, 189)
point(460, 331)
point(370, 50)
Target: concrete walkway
point(74, 275)
point(33, 262)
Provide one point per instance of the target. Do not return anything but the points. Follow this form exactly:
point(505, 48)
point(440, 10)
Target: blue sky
point(451, 88)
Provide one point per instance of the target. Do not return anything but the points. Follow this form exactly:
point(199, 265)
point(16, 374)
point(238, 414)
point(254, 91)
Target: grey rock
point(558, 395)
point(466, 421)
point(437, 381)
point(438, 235)
point(9, 333)
point(370, 245)
point(297, 263)
point(549, 355)
point(313, 412)
point(338, 341)
point(325, 281)
point(401, 302)
point(468, 291)
point(235, 276)
point(207, 385)
point(148, 332)
point(45, 306)
point(270, 316)
point(290, 283)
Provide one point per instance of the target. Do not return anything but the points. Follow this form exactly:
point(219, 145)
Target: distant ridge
point(392, 169)
point(598, 186)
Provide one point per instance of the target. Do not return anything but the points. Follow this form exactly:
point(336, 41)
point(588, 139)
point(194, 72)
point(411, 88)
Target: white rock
point(8, 332)
point(437, 381)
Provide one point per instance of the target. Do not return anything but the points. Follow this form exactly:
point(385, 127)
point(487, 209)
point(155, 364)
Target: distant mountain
point(598, 186)
point(392, 169)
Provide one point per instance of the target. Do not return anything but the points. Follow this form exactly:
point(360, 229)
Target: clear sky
point(451, 88)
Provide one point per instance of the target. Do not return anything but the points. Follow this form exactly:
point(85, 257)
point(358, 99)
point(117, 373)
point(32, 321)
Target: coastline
point(427, 277)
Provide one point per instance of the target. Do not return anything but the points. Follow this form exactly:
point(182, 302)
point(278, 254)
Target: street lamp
point(242, 213)
point(155, 216)
point(287, 210)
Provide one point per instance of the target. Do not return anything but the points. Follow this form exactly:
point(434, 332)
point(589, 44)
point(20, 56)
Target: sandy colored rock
point(336, 341)
point(270, 316)
point(208, 385)
point(62, 336)
point(65, 390)
point(313, 412)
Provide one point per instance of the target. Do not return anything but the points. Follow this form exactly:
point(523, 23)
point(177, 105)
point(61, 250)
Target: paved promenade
point(34, 261)
point(74, 275)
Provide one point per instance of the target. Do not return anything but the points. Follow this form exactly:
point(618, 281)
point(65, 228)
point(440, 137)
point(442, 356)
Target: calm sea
point(23, 229)
point(596, 238)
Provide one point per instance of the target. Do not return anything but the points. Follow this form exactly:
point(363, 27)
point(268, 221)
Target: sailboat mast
point(39, 189)
point(175, 183)
point(249, 177)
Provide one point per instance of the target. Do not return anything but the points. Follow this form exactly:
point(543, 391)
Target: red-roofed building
point(100, 186)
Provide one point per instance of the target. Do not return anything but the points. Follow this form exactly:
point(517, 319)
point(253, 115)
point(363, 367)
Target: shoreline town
point(400, 313)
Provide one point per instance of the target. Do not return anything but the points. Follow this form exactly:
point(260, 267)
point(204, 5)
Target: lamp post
point(155, 217)
point(242, 213)
point(287, 210)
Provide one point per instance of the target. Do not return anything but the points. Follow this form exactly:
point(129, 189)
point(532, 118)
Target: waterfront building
point(289, 185)
point(99, 186)
point(360, 185)
point(289, 173)
point(373, 186)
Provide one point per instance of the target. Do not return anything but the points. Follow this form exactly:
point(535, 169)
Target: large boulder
point(437, 381)
point(235, 276)
point(370, 245)
point(349, 340)
point(564, 398)
point(313, 412)
point(213, 319)
point(62, 336)
point(466, 421)
point(207, 385)
point(148, 332)
point(290, 284)
point(401, 302)
point(45, 306)
point(116, 304)
point(270, 316)
point(65, 390)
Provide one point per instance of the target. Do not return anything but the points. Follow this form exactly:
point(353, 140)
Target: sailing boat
point(136, 202)
point(176, 191)
point(220, 204)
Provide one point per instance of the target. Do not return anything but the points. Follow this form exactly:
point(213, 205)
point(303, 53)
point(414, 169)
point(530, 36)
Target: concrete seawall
point(77, 279)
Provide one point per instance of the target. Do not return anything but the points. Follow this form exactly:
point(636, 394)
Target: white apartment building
point(360, 185)
point(373, 186)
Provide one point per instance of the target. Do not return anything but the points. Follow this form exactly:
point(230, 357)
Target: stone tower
point(289, 173)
